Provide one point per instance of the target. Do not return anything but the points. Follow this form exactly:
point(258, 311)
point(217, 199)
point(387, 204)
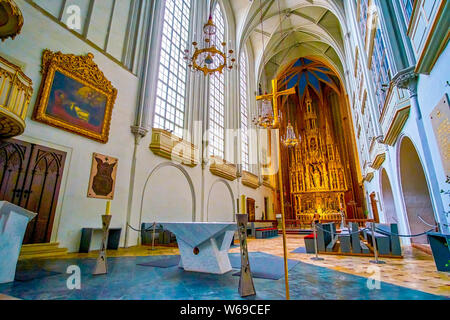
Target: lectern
point(13, 224)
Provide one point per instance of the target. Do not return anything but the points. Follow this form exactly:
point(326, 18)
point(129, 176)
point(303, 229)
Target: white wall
point(104, 22)
point(213, 200)
point(431, 89)
point(166, 195)
point(75, 210)
point(220, 205)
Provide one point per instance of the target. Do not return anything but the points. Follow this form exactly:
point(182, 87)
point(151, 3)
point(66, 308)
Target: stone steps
point(41, 250)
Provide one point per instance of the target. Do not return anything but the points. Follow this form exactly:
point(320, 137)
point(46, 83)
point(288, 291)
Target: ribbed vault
point(288, 30)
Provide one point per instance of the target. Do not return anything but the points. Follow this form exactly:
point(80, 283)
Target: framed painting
point(102, 181)
point(75, 95)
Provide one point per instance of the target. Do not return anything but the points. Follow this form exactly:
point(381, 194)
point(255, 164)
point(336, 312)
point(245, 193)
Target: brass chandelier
point(265, 117)
point(208, 58)
point(291, 139)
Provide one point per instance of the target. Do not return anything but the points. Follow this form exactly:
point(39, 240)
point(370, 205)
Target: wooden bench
point(147, 233)
point(309, 243)
point(87, 235)
point(365, 249)
point(263, 233)
point(391, 231)
point(324, 232)
point(356, 243)
point(344, 241)
point(331, 247)
point(382, 241)
point(253, 226)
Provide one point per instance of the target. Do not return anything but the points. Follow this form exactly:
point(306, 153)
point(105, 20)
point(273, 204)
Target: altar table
point(203, 245)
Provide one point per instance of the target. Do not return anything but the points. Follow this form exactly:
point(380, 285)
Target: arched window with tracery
point(216, 105)
point(171, 87)
point(245, 146)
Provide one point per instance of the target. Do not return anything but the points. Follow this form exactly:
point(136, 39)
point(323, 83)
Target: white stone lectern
point(13, 224)
point(203, 245)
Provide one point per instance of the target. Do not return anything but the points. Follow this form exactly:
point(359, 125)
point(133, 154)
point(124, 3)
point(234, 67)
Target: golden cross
point(274, 96)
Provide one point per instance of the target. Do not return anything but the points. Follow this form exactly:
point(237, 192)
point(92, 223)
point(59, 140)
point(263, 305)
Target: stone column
point(147, 93)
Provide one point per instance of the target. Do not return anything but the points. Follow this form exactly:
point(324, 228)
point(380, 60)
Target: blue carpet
point(31, 274)
point(299, 250)
point(263, 265)
point(262, 275)
point(129, 281)
point(171, 261)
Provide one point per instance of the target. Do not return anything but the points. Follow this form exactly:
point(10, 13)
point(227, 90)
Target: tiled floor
point(334, 278)
point(416, 270)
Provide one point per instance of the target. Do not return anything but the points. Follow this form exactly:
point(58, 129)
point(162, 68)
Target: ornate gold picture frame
point(75, 95)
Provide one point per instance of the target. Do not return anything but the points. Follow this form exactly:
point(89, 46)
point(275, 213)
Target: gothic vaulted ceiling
point(290, 29)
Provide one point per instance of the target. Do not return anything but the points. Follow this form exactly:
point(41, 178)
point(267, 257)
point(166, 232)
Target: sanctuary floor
point(336, 277)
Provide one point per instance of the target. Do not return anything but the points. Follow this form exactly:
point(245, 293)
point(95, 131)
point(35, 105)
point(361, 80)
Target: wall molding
point(250, 180)
point(169, 146)
point(222, 168)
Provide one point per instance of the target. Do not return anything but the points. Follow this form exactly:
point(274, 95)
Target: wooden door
point(373, 202)
point(30, 177)
point(251, 209)
point(266, 208)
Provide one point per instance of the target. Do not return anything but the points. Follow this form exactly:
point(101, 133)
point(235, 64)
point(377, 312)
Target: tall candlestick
point(243, 211)
point(108, 208)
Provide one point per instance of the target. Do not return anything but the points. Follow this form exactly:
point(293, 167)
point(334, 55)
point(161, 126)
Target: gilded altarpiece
point(317, 177)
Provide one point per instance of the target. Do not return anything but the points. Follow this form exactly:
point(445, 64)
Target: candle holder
point(246, 286)
point(101, 266)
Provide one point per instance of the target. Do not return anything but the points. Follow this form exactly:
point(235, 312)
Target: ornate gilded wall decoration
point(103, 177)
point(15, 94)
point(11, 19)
point(75, 95)
point(317, 174)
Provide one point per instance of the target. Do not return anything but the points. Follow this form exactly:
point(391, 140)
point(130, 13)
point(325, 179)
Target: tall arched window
point(244, 113)
point(363, 10)
point(171, 88)
point(407, 8)
point(217, 97)
point(380, 68)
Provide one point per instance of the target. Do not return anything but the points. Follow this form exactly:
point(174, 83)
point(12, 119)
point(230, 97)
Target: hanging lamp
point(210, 57)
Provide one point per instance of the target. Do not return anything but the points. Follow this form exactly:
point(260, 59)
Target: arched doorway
point(388, 208)
point(415, 191)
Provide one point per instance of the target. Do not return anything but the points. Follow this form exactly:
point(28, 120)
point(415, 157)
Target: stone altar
point(203, 245)
point(13, 224)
